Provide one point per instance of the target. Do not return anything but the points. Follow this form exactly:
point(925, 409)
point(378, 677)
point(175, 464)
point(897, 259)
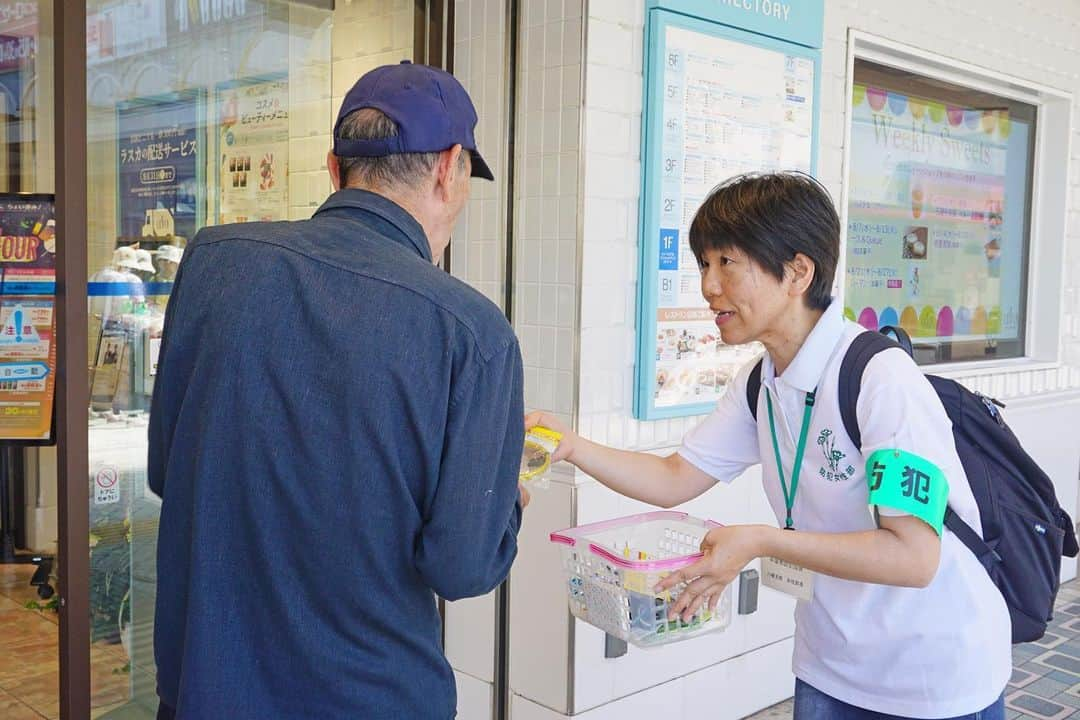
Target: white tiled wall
point(1036, 41)
point(362, 35)
point(546, 198)
point(311, 117)
point(477, 256)
point(477, 253)
point(612, 184)
point(612, 180)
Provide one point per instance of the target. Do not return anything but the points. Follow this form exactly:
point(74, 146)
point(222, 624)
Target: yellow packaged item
point(540, 443)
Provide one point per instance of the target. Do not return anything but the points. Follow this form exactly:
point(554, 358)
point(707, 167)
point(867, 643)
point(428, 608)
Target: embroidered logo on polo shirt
point(837, 471)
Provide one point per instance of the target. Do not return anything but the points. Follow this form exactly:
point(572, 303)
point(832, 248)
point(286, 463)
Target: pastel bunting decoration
point(909, 320)
point(945, 322)
point(936, 111)
point(897, 103)
point(978, 321)
point(927, 322)
point(876, 97)
point(963, 321)
point(858, 94)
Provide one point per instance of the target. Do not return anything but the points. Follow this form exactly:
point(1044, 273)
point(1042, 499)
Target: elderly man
point(336, 433)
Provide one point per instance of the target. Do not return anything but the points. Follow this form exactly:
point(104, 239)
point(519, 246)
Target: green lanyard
point(789, 498)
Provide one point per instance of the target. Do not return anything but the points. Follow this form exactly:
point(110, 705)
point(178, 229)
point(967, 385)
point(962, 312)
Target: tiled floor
point(29, 670)
point(1045, 683)
point(28, 641)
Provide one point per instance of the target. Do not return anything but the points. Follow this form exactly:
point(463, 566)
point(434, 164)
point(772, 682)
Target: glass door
point(198, 113)
point(29, 635)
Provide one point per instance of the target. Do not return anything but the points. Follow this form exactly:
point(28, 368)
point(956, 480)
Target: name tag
point(787, 578)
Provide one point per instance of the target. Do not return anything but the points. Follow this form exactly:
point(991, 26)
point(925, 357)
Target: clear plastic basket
point(611, 568)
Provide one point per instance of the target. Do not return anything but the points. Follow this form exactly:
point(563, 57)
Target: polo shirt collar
point(396, 223)
point(805, 371)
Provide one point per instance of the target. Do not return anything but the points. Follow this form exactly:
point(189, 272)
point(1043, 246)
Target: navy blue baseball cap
point(432, 111)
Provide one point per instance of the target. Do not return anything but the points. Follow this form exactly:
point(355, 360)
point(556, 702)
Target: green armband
point(908, 483)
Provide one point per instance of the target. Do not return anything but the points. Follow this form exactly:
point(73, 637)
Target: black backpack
point(1025, 530)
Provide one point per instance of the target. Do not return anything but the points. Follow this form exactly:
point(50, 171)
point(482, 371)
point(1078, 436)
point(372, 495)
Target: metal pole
point(72, 392)
point(502, 693)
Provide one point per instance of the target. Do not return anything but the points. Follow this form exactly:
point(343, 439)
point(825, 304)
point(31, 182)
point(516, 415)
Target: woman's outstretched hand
point(569, 437)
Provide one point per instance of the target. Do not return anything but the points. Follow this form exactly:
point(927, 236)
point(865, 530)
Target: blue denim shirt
point(336, 433)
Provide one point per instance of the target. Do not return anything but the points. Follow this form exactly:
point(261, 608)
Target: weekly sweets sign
point(936, 217)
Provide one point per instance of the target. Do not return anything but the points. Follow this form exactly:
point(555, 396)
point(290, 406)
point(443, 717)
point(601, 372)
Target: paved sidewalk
point(1045, 683)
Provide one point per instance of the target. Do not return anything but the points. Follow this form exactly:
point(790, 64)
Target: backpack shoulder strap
point(753, 388)
point(985, 554)
point(900, 335)
point(864, 347)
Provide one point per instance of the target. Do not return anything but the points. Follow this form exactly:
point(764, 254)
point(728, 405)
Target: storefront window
point(29, 636)
point(199, 113)
point(25, 87)
point(939, 214)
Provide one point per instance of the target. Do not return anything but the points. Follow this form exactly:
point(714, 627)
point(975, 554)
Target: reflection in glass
point(199, 113)
point(29, 667)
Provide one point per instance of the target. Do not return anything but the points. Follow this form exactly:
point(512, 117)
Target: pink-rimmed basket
point(611, 568)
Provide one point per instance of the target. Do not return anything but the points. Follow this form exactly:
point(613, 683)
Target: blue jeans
point(812, 704)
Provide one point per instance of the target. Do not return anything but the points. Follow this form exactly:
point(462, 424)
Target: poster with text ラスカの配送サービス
point(161, 193)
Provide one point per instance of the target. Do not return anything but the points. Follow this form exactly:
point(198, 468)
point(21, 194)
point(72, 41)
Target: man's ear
point(334, 168)
point(447, 170)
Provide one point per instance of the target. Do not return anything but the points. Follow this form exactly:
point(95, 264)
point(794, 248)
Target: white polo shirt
point(940, 651)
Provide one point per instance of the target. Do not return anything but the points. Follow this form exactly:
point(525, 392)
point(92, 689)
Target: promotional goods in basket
point(612, 567)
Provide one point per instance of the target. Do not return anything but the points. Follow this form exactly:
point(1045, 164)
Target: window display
point(187, 128)
point(937, 236)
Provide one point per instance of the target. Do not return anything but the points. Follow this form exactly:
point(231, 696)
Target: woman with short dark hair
point(895, 616)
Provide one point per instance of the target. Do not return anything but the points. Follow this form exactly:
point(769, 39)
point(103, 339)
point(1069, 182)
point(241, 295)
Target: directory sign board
point(719, 102)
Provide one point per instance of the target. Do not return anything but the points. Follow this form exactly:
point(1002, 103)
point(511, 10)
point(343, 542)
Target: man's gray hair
point(399, 171)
